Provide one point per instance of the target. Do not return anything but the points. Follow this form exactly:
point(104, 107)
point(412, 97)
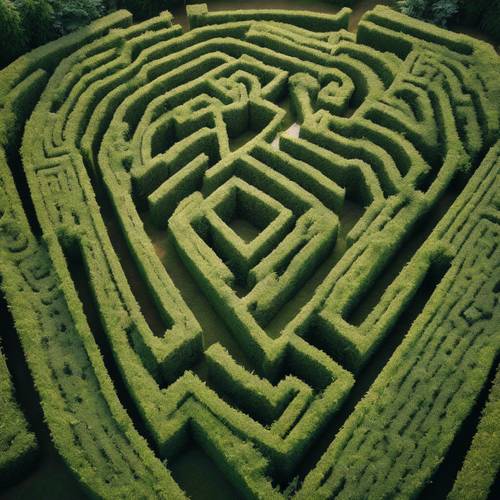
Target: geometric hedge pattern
point(187, 135)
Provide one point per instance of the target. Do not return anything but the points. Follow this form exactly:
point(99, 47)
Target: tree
point(443, 11)
point(70, 15)
point(37, 18)
point(435, 11)
point(13, 40)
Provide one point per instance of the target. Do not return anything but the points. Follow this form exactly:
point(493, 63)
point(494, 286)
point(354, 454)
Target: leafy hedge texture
point(482, 462)
point(155, 158)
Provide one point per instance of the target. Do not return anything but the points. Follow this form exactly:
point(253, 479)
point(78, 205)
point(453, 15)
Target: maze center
point(259, 212)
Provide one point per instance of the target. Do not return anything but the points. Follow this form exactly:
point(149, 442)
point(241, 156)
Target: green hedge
point(199, 16)
point(396, 425)
point(19, 445)
point(477, 476)
point(69, 375)
point(152, 115)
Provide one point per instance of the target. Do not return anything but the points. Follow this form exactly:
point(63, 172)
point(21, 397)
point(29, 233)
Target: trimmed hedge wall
point(477, 476)
point(19, 445)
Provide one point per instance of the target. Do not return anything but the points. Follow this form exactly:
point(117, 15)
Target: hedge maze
point(312, 245)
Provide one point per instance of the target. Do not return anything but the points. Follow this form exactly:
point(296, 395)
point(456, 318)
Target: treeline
point(484, 14)
point(26, 24)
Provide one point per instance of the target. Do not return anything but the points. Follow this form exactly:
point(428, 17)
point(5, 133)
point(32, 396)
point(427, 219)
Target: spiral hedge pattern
point(400, 119)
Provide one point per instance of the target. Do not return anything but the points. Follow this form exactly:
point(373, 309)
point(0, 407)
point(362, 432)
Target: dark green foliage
point(490, 19)
point(68, 16)
point(37, 19)
point(481, 13)
point(484, 14)
point(471, 12)
point(13, 38)
point(442, 11)
point(29, 23)
point(435, 11)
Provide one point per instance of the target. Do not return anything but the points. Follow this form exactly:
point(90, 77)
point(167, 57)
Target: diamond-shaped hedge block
point(236, 200)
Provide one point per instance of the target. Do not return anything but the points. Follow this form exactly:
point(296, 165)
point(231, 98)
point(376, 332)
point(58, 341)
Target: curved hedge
point(477, 476)
point(187, 135)
point(17, 443)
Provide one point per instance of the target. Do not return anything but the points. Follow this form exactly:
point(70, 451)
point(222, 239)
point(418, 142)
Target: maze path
point(150, 119)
